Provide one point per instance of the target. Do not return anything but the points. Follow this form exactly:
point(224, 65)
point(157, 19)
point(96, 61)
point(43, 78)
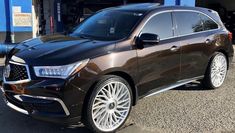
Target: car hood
point(60, 50)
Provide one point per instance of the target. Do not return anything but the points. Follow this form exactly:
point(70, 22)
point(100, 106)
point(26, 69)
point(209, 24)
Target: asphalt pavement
point(190, 108)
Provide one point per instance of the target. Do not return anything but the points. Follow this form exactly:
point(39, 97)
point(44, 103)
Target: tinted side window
point(208, 23)
point(188, 22)
point(161, 25)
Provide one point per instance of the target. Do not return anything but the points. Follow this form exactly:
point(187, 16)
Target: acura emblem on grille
point(7, 71)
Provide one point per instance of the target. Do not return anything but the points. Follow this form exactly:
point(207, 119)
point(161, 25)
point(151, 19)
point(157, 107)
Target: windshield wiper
point(83, 36)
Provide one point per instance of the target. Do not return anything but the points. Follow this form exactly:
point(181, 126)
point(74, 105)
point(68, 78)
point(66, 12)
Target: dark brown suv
point(114, 58)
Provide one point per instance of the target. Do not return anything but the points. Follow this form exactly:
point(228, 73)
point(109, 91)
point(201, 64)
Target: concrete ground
point(189, 108)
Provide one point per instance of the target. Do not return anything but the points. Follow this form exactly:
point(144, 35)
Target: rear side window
point(208, 23)
point(161, 25)
point(188, 22)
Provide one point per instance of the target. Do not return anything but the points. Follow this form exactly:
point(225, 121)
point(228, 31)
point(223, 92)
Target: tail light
point(230, 36)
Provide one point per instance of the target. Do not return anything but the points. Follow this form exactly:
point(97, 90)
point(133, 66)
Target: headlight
point(59, 71)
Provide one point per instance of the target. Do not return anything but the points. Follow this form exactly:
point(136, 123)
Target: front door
point(159, 64)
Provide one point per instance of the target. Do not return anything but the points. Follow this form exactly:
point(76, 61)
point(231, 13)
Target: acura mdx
point(114, 58)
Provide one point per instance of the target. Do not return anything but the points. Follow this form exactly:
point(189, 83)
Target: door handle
point(174, 48)
point(208, 41)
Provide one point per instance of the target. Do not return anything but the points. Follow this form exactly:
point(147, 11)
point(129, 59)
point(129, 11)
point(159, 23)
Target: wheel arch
point(131, 82)
point(213, 54)
point(121, 74)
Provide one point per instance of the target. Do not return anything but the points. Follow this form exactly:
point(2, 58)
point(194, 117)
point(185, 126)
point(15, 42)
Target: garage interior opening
point(226, 10)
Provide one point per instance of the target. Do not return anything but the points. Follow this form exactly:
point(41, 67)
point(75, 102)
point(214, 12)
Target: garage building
point(25, 19)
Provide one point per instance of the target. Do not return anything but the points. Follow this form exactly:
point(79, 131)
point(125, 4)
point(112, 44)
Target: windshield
point(108, 25)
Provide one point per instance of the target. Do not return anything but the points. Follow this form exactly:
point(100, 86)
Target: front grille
point(18, 72)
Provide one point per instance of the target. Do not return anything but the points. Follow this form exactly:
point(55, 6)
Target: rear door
point(195, 42)
point(159, 64)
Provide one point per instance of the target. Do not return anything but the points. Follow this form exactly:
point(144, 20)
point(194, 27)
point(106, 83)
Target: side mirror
point(149, 38)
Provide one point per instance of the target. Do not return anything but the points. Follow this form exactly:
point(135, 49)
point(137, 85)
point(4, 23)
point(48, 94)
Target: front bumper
point(35, 104)
point(23, 111)
point(15, 107)
point(49, 100)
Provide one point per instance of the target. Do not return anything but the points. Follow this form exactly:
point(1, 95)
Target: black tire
point(88, 120)
point(207, 81)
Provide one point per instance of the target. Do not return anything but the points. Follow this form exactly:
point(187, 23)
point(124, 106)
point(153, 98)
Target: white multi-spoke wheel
point(109, 105)
point(217, 71)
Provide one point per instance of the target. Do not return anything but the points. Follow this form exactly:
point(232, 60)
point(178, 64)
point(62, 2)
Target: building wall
point(3, 15)
point(26, 6)
point(22, 33)
point(4, 23)
point(169, 2)
point(187, 2)
point(7, 30)
point(180, 2)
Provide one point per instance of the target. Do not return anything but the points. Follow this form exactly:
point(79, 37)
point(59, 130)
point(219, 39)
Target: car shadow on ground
point(194, 86)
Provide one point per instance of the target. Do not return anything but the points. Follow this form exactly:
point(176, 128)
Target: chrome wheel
point(218, 70)
point(111, 106)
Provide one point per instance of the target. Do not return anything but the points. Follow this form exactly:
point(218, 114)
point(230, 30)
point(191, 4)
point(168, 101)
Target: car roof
point(148, 7)
point(139, 7)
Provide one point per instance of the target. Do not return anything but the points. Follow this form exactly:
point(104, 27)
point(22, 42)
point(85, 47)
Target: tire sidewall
point(209, 71)
point(104, 80)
